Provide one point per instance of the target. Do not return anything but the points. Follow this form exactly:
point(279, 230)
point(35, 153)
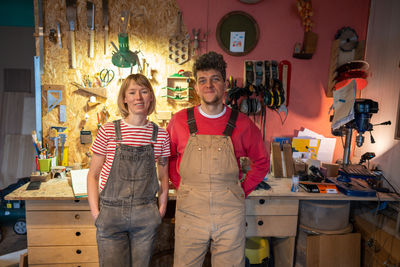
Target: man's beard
point(215, 100)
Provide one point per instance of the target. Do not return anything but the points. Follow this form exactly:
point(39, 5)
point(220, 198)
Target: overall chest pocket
point(135, 166)
point(218, 157)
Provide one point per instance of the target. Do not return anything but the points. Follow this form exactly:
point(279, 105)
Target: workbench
point(61, 229)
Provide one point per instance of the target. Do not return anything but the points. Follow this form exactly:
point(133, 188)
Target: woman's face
point(138, 98)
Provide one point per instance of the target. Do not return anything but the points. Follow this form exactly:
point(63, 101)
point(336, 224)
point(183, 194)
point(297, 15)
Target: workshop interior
point(320, 79)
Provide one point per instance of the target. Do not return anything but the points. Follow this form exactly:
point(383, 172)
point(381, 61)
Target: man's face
point(210, 87)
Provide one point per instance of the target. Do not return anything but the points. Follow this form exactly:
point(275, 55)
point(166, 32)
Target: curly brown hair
point(209, 61)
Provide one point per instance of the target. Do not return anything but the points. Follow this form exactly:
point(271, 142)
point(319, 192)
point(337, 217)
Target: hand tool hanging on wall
point(90, 24)
point(59, 35)
point(105, 19)
point(123, 57)
point(63, 138)
point(41, 44)
point(86, 137)
point(106, 76)
point(38, 98)
point(56, 97)
point(196, 41)
point(348, 39)
point(71, 18)
point(285, 71)
point(54, 136)
point(178, 48)
point(52, 36)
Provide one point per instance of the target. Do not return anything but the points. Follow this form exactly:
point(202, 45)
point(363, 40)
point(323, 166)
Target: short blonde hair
point(141, 80)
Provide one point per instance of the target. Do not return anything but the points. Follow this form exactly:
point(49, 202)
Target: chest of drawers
point(61, 233)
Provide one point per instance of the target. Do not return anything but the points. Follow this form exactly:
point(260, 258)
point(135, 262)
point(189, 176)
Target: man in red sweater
point(207, 142)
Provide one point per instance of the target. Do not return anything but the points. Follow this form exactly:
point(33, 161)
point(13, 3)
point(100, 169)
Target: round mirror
point(237, 33)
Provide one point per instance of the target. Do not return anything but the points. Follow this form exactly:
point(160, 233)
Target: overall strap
point(230, 126)
point(155, 133)
point(190, 121)
point(117, 126)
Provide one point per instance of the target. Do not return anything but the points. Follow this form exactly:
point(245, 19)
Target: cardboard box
point(334, 250)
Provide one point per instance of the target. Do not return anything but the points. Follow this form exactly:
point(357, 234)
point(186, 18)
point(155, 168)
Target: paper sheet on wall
point(326, 146)
point(305, 147)
point(79, 182)
point(237, 41)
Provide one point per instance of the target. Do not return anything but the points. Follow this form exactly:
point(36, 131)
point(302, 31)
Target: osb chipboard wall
point(151, 25)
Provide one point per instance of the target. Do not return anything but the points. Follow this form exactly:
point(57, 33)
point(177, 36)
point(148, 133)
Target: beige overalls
point(210, 205)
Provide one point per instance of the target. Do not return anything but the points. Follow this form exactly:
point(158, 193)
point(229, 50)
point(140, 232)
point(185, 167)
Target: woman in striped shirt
point(122, 179)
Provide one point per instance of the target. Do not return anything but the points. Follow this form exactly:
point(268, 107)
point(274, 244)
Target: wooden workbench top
point(281, 187)
point(53, 189)
point(60, 189)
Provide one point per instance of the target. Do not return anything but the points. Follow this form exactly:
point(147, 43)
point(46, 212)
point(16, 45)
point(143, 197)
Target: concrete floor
point(11, 245)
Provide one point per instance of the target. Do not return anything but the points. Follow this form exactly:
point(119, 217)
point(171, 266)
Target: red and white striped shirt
point(105, 143)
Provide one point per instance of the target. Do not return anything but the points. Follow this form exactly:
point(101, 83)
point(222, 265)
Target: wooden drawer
point(57, 205)
point(62, 254)
point(59, 219)
point(271, 206)
point(271, 225)
point(59, 237)
point(88, 264)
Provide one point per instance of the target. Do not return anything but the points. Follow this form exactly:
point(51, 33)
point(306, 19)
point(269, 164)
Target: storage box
point(334, 250)
point(40, 177)
point(328, 215)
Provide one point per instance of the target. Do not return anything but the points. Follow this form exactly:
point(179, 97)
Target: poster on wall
point(237, 42)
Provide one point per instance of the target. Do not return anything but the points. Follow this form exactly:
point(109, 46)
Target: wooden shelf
point(92, 104)
point(98, 91)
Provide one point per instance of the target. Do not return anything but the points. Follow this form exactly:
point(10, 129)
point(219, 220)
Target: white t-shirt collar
point(212, 116)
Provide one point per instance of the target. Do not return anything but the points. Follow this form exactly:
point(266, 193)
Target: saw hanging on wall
point(105, 20)
point(71, 18)
point(40, 35)
point(348, 39)
point(90, 25)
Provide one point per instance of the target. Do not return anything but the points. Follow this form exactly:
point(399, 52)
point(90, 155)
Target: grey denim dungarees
point(129, 216)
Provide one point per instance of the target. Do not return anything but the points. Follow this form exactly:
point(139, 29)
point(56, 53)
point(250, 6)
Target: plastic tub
point(328, 215)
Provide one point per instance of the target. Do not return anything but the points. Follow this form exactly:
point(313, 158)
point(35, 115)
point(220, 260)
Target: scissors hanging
point(106, 76)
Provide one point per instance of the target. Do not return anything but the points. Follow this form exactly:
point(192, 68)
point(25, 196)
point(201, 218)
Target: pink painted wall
point(280, 28)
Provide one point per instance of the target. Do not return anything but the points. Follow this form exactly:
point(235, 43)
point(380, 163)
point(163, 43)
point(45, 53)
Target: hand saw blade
point(90, 15)
point(41, 44)
point(71, 17)
point(71, 13)
point(105, 19)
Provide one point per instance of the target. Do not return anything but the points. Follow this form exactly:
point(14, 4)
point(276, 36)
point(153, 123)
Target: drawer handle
point(260, 223)
point(246, 224)
point(77, 216)
point(261, 201)
point(78, 233)
point(76, 200)
point(78, 251)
